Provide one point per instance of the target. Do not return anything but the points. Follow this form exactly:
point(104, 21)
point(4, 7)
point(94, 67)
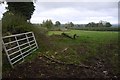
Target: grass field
point(93, 36)
point(88, 46)
point(98, 28)
point(98, 49)
point(91, 39)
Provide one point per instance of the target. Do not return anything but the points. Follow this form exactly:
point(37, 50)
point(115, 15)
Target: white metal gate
point(18, 46)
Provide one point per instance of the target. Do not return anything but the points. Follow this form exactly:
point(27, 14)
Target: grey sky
point(77, 12)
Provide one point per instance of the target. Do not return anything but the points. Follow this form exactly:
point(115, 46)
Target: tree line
point(49, 24)
point(100, 24)
point(17, 19)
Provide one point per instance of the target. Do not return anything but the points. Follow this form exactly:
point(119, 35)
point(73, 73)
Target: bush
point(42, 39)
point(14, 24)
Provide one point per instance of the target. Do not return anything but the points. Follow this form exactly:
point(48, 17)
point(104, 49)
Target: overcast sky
point(76, 12)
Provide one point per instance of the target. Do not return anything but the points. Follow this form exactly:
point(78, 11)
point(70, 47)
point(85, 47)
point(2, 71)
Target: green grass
point(98, 28)
point(91, 36)
point(89, 45)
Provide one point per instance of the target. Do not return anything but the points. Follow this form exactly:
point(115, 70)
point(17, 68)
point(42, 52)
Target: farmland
point(95, 51)
point(63, 40)
point(87, 44)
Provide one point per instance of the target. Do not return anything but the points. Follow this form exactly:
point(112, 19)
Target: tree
point(57, 23)
point(14, 23)
point(66, 25)
point(87, 25)
point(91, 24)
point(71, 24)
point(26, 9)
point(48, 24)
point(100, 25)
point(108, 24)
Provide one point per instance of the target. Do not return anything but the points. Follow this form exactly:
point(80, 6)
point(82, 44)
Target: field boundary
point(18, 46)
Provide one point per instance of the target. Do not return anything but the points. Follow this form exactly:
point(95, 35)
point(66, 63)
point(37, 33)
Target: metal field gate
point(18, 46)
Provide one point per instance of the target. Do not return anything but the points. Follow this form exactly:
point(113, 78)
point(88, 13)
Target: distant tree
point(57, 23)
point(108, 24)
point(103, 22)
point(48, 24)
point(26, 9)
point(87, 25)
point(91, 24)
point(71, 24)
point(78, 25)
point(66, 25)
point(100, 25)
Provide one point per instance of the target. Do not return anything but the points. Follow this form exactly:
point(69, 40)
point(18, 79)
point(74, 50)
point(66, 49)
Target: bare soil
point(41, 67)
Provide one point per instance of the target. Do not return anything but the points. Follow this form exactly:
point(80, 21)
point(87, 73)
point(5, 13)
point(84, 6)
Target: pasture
point(87, 44)
point(93, 54)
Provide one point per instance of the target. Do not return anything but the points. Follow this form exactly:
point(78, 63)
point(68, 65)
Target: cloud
point(80, 12)
point(2, 10)
point(77, 0)
point(77, 5)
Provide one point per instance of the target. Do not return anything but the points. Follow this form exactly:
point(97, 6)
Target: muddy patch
point(43, 68)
